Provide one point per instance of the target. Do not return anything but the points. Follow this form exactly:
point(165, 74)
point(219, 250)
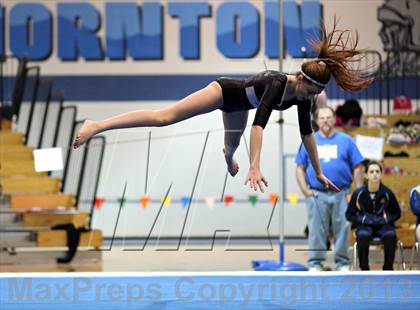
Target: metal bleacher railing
point(82, 170)
point(12, 78)
point(45, 125)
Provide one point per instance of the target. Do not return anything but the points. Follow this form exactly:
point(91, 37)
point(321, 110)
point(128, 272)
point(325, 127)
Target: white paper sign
point(370, 147)
point(48, 159)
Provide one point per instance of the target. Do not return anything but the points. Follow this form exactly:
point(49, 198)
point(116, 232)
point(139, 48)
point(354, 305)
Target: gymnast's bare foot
point(89, 129)
point(232, 164)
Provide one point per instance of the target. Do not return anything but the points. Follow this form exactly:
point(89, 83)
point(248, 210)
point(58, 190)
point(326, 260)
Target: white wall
point(175, 159)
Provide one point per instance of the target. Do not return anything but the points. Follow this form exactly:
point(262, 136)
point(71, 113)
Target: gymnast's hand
point(327, 183)
point(255, 179)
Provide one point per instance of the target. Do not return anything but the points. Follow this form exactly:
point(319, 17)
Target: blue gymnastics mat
point(211, 290)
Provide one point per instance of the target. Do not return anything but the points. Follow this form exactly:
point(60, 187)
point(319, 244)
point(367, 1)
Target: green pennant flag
point(121, 201)
point(253, 199)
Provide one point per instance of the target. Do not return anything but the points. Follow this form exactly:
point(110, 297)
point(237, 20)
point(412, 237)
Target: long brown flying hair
point(337, 51)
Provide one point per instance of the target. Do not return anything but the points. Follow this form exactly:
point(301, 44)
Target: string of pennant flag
point(145, 201)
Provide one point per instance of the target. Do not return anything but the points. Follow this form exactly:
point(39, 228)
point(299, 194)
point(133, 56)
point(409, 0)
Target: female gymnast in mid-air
point(266, 91)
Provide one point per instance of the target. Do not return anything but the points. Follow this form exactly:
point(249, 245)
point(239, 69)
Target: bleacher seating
point(32, 204)
point(401, 173)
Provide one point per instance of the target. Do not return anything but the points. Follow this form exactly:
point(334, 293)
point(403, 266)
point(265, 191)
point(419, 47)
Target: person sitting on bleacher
point(372, 210)
point(415, 207)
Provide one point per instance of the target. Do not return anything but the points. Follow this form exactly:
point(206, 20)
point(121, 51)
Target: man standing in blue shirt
point(340, 161)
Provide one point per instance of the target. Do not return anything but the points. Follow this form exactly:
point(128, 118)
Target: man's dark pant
point(365, 234)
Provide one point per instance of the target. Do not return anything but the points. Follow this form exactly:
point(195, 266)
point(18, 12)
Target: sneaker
point(316, 268)
point(344, 268)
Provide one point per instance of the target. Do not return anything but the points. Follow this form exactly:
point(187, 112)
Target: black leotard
point(265, 92)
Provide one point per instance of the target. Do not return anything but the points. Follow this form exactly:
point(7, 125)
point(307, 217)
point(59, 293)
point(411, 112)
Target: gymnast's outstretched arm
point(310, 146)
point(254, 177)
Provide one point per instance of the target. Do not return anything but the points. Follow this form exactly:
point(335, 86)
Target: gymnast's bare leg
point(235, 124)
point(203, 101)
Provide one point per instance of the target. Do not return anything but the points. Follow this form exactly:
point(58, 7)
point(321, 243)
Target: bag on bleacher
point(402, 103)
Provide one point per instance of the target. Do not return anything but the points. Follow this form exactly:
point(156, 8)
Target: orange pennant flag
point(144, 201)
point(273, 197)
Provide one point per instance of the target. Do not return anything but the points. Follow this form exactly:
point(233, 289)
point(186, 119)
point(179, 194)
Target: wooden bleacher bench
point(58, 238)
point(412, 150)
point(42, 201)
point(399, 183)
point(32, 184)
point(392, 119)
point(5, 125)
point(37, 248)
point(49, 218)
point(31, 207)
point(19, 167)
point(44, 236)
point(407, 219)
point(14, 138)
point(15, 151)
point(407, 164)
point(373, 132)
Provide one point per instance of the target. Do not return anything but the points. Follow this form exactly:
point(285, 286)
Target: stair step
point(15, 138)
point(373, 132)
point(26, 185)
point(394, 118)
point(48, 219)
point(43, 201)
point(20, 167)
point(401, 186)
point(15, 152)
point(413, 150)
point(15, 148)
point(410, 165)
point(56, 238)
point(5, 125)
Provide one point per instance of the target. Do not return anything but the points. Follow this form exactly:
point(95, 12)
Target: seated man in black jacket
point(373, 209)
